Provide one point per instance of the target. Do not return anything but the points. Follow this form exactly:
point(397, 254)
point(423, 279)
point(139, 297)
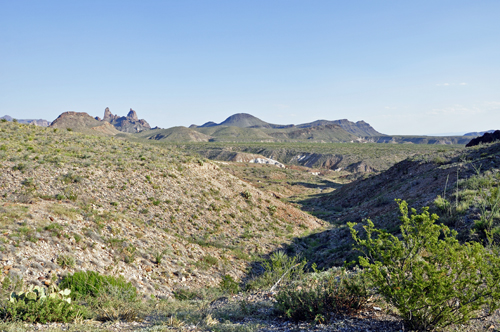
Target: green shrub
point(77, 237)
point(159, 256)
point(228, 285)
point(489, 207)
point(66, 261)
point(247, 194)
point(431, 278)
point(206, 262)
point(323, 299)
point(19, 167)
point(210, 260)
point(38, 306)
point(116, 304)
point(185, 294)
point(280, 268)
point(91, 283)
point(442, 204)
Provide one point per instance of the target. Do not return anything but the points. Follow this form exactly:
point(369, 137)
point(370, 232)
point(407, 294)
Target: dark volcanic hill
point(129, 124)
point(486, 138)
point(38, 122)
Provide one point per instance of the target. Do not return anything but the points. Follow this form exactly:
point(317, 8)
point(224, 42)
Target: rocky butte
point(129, 124)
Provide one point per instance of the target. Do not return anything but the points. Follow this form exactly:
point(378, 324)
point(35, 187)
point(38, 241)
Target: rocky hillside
point(161, 218)
point(82, 122)
point(360, 128)
point(128, 124)
point(325, 133)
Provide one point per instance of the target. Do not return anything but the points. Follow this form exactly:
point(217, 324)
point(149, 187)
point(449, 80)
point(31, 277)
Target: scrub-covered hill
point(162, 219)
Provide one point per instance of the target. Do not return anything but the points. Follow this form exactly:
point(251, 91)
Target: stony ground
point(161, 219)
point(168, 221)
point(253, 312)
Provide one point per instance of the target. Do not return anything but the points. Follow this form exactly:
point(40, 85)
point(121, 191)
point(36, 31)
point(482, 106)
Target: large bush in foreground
point(431, 278)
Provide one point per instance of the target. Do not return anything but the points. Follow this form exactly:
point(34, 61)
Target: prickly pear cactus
point(37, 293)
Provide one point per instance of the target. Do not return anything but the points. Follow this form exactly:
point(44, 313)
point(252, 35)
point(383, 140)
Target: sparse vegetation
point(431, 278)
point(320, 298)
point(174, 226)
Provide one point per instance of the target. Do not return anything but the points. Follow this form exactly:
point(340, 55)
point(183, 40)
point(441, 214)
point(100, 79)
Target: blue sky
point(406, 67)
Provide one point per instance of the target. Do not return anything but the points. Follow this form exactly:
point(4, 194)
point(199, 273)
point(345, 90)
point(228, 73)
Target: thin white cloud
point(484, 107)
point(282, 106)
point(492, 104)
point(455, 110)
point(449, 84)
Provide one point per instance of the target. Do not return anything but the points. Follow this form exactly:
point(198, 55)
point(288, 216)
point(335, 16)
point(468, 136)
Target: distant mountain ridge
point(38, 122)
point(243, 127)
point(480, 133)
point(245, 120)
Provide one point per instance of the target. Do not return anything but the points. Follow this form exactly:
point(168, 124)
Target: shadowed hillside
point(455, 184)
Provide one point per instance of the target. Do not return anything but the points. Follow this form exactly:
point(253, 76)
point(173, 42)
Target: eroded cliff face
point(129, 124)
